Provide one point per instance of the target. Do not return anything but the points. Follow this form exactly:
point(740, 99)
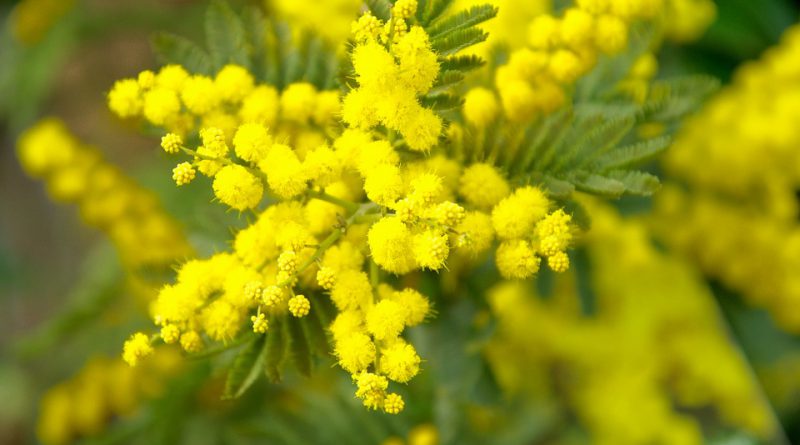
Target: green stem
point(374, 274)
point(220, 349)
point(351, 207)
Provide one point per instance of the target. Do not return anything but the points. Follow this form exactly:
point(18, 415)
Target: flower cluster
point(106, 198)
point(103, 389)
point(182, 103)
point(750, 191)
point(561, 49)
point(393, 63)
point(355, 197)
point(627, 360)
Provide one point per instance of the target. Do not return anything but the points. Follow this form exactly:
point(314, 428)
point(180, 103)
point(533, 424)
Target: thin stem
point(374, 274)
point(351, 207)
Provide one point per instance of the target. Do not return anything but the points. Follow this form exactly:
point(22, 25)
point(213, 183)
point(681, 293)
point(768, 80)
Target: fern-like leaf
point(633, 154)
point(636, 182)
point(225, 36)
point(598, 185)
point(299, 349)
point(461, 20)
point(276, 347)
point(461, 63)
point(447, 78)
point(246, 368)
point(432, 11)
point(442, 102)
point(174, 49)
point(457, 40)
point(381, 9)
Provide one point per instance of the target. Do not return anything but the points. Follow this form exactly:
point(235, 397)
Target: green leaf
point(298, 346)
point(600, 140)
point(381, 9)
point(433, 10)
point(636, 182)
point(600, 185)
point(457, 40)
point(461, 63)
point(442, 102)
point(634, 154)
point(580, 215)
point(225, 36)
point(557, 187)
point(675, 98)
point(315, 331)
point(276, 350)
point(246, 368)
point(255, 27)
point(448, 78)
point(173, 49)
point(461, 20)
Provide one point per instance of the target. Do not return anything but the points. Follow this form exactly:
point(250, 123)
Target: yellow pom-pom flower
point(352, 290)
point(431, 248)
point(183, 173)
point(517, 260)
point(171, 143)
point(385, 320)
point(170, 334)
point(298, 102)
point(355, 352)
point(251, 142)
point(482, 186)
point(285, 174)
point(260, 323)
point(125, 98)
point(515, 216)
point(136, 348)
point(389, 240)
point(299, 306)
point(399, 362)
point(161, 106)
point(558, 262)
point(237, 187)
point(384, 185)
point(415, 305)
point(393, 404)
point(480, 107)
point(191, 342)
point(233, 83)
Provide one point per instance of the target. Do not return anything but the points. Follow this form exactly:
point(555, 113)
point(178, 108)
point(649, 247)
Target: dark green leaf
point(634, 154)
point(276, 349)
point(246, 368)
point(580, 215)
point(315, 331)
point(442, 102)
point(461, 20)
point(461, 63)
point(174, 49)
point(298, 346)
point(433, 10)
point(448, 78)
point(457, 40)
point(381, 9)
point(225, 36)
